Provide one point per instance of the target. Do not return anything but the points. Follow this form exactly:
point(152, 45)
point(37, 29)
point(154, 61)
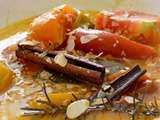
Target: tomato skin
point(50, 27)
point(113, 44)
point(137, 26)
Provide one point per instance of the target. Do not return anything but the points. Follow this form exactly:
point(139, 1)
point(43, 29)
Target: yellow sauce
point(10, 111)
point(14, 28)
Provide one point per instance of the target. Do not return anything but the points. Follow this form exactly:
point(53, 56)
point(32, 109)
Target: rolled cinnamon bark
point(73, 59)
point(71, 70)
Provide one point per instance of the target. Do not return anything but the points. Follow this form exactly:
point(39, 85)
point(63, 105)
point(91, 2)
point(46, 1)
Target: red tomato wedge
point(50, 28)
point(113, 44)
point(137, 26)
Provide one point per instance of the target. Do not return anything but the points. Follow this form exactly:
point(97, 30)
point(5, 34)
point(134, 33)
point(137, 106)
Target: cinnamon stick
point(76, 72)
point(73, 59)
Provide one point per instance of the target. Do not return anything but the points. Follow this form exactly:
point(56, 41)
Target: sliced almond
point(28, 42)
point(77, 108)
point(70, 43)
point(87, 38)
point(99, 101)
point(60, 60)
point(130, 99)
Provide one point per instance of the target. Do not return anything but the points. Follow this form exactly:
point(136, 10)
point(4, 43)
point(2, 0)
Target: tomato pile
point(119, 33)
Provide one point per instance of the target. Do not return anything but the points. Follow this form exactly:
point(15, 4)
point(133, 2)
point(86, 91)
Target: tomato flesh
point(137, 26)
point(50, 28)
point(112, 44)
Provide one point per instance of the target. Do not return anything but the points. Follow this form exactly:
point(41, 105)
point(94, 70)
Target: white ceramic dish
point(13, 10)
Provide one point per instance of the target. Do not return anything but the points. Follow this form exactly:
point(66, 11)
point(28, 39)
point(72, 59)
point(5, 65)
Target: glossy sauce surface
point(26, 86)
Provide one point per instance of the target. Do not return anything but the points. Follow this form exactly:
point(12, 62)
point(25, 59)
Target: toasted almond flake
point(99, 101)
point(94, 89)
point(148, 82)
point(72, 32)
point(87, 38)
point(49, 60)
point(88, 71)
point(31, 43)
point(45, 75)
point(107, 13)
point(117, 41)
point(60, 60)
point(70, 43)
point(42, 55)
point(106, 87)
point(125, 15)
point(100, 39)
point(114, 45)
point(68, 30)
point(77, 108)
point(99, 55)
point(123, 53)
point(126, 68)
point(130, 99)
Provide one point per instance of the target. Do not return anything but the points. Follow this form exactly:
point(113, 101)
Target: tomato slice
point(50, 28)
point(137, 26)
point(112, 44)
